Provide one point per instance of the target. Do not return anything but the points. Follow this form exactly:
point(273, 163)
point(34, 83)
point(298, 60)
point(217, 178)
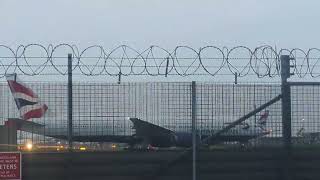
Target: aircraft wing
point(27, 126)
point(98, 138)
point(144, 128)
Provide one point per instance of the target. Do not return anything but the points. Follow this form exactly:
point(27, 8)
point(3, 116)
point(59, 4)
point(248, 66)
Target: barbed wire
point(263, 61)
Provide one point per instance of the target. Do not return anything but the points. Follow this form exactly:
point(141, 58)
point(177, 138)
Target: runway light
point(83, 148)
point(29, 146)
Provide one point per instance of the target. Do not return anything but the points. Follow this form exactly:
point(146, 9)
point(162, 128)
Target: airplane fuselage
point(181, 137)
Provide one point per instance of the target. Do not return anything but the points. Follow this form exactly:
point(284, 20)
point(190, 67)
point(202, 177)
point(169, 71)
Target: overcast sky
point(140, 23)
point(167, 23)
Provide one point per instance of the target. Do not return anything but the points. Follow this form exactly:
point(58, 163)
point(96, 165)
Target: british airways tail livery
point(262, 122)
point(26, 100)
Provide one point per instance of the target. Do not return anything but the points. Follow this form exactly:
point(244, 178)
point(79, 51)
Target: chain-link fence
point(101, 111)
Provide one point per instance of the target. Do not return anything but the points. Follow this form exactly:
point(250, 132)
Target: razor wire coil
point(263, 61)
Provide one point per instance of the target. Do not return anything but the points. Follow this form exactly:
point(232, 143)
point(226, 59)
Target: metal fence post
point(70, 128)
point(286, 100)
point(194, 129)
point(70, 133)
point(236, 78)
point(286, 114)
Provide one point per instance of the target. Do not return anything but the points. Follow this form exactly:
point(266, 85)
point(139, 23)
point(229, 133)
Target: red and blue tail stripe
point(26, 100)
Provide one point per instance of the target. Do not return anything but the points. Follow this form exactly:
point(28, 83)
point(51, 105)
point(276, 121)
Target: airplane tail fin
point(262, 121)
point(26, 100)
point(301, 131)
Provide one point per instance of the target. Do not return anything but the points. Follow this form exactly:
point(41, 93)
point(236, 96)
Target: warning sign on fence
point(10, 165)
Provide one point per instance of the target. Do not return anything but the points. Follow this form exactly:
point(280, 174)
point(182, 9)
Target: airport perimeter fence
point(101, 109)
point(170, 89)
